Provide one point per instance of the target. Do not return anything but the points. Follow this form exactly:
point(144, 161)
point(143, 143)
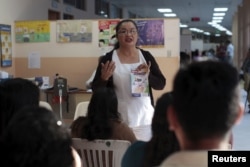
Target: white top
point(135, 111)
point(90, 80)
point(230, 50)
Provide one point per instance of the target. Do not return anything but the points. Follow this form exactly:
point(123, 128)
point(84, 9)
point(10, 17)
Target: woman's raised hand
point(107, 70)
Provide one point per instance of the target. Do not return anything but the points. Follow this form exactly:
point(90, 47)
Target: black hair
point(35, 137)
point(206, 99)
point(163, 141)
point(15, 94)
point(103, 108)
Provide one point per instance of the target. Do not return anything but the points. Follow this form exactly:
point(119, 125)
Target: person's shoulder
point(133, 157)
point(138, 145)
point(146, 52)
point(189, 158)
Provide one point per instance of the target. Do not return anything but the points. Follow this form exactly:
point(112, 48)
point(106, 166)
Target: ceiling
point(184, 9)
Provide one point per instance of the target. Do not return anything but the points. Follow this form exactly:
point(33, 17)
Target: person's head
point(228, 42)
point(103, 107)
point(35, 137)
point(126, 33)
point(206, 104)
point(77, 125)
point(15, 94)
point(163, 140)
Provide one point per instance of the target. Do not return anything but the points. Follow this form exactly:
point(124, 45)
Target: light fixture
point(170, 15)
point(216, 21)
point(206, 33)
point(217, 18)
point(219, 14)
point(220, 9)
point(183, 25)
point(164, 10)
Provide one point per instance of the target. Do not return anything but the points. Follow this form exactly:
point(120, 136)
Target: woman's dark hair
point(118, 26)
point(163, 141)
point(102, 108)
point(15, 94)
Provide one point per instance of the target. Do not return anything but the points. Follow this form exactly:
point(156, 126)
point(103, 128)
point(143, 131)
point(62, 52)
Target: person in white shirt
point(230, 51)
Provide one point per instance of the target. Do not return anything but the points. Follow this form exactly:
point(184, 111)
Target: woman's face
point(127, 35)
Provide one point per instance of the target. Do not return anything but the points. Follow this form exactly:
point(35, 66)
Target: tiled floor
point(241, 132)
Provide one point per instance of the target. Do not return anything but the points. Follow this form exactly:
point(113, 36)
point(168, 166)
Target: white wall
point(197, 44)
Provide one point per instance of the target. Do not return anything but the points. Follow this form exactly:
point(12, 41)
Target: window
point(68, 17)
point(69, 2)
point(131, 15)
point(53, 15)
point(79, 4)
point(102, 8)
point(115, 12)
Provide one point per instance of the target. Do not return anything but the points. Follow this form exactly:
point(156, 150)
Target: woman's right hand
point(107, 70)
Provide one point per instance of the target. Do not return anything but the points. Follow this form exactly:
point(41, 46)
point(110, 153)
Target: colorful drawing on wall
point(151, 33)
point(74, 31)
point(107, 32)
point(6, 45)
point(32, 31)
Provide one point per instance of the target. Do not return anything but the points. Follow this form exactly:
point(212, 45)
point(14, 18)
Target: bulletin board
point(6, 45)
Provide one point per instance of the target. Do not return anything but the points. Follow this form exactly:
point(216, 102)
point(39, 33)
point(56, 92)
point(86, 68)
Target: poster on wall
point(151, 33)
point(32, 31)
point(74, 31)
point(107, 33)
point(6, 45)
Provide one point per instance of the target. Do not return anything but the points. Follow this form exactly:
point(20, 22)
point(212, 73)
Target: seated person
point(15, 94)
point(36, 138)
point(205, 108)
point(161, 145)
point(103, 119)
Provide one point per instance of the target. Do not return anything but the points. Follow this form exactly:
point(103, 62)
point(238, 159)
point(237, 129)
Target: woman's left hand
point(144, 67)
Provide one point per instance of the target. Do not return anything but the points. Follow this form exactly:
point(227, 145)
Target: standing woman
point(114, 71)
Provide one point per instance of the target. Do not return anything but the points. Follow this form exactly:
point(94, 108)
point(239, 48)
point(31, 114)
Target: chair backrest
point(101, 153)
point(45, 105)
point(81, 109)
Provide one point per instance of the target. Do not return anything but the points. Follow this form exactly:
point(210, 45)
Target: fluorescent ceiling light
point(220, 9)
point(229, 33)
point(196, 30)
point(216, 21)
point(217, 18)
point(206, 33)
point(170, 15)
point(163, 10)
point(219, 14)
point(183, 25)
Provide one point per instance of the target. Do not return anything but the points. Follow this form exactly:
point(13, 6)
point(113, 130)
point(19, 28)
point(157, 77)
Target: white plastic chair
point(81, 109)
point(101, 153)
point(45, 105)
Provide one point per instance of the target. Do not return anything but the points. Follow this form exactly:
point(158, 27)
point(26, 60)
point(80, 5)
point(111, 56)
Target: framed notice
point(32, 31)
point(74, 31)
point(6, 45)
point(151, 33)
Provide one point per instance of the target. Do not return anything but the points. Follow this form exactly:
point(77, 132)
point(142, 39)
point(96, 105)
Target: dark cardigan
point(156, 79)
